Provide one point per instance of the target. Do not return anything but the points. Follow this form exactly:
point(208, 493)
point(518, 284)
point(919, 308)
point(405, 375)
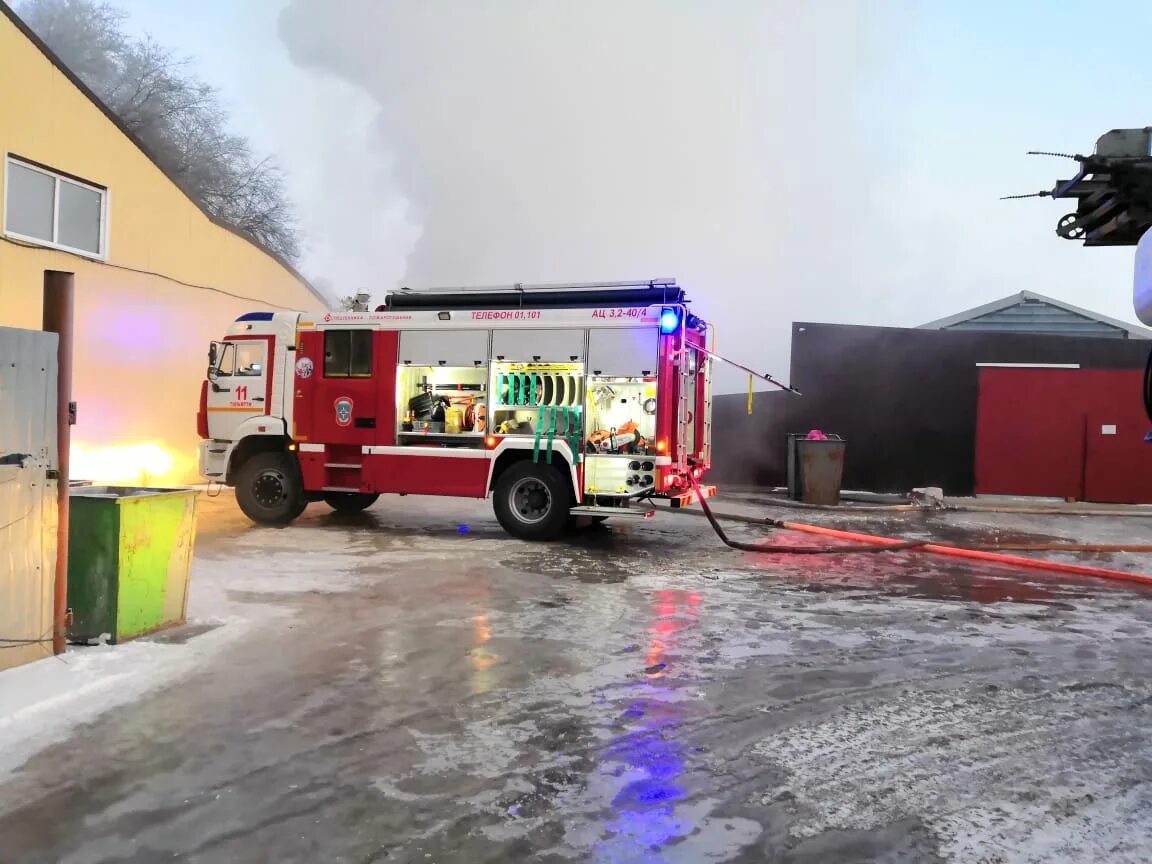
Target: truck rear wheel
point(349, 502)
point(532, 501)
point(268, 489)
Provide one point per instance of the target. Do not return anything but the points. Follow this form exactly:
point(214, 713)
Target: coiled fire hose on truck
point(887, 544)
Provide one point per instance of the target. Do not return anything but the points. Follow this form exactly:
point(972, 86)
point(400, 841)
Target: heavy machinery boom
point(1113, 194)
point(1112, 190)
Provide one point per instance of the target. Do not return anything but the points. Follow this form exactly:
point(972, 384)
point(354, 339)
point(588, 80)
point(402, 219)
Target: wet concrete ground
point(406, 692)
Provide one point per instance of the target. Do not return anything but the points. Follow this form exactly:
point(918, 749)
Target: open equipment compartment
point(446, 401)
point(524, 395)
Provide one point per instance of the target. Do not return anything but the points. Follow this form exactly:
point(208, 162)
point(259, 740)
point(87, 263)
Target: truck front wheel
point(532, 501)
point(268, 489)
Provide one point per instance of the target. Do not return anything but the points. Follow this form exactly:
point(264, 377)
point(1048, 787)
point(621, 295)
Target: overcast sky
point(822, 162)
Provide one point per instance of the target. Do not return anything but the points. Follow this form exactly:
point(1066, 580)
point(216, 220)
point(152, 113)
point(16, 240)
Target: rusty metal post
point(58, 305)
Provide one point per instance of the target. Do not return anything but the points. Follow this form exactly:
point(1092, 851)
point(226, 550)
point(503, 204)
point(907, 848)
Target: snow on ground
point(1014, 731)
point(41, 702)
point(1050, 771)
point(999, 802)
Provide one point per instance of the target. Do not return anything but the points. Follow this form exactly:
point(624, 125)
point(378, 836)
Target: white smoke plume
point(534, 141)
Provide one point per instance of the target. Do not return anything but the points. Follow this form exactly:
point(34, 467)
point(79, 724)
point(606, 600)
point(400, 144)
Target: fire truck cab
point(558, 401)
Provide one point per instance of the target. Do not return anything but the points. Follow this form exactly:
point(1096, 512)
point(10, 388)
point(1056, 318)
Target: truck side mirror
point(213, 356)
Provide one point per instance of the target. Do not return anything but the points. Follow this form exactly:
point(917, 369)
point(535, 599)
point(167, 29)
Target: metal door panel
point(626, 353)
point(1030, 433)
point(1117, 466)
point(28, 514)
point(345, 409)
point(239, 391)
point(444, 347)
point(545, 346)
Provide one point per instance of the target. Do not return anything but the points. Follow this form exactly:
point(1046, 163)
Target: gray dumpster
point(815, 469)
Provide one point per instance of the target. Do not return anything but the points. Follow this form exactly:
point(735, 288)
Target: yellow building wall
point(141, 337)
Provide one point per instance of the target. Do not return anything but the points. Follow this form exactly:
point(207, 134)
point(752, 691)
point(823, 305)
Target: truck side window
point(360, 359)
point(348, 354)
point(250, 359)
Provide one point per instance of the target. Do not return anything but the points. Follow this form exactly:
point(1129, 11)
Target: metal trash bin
point(129, 560)
point(793, 467)
point(815, 469)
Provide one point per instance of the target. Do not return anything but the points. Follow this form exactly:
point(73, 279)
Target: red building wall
point(1065, 433)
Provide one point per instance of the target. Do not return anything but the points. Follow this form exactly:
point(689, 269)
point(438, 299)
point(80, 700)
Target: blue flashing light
point(669, 321)
point(255, 316)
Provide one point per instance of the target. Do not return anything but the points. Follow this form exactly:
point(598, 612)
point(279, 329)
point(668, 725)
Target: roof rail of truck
point(557, 295)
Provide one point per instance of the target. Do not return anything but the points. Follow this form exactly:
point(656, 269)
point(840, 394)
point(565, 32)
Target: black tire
point(349, 502)
point(532, 500)
point(269, 489)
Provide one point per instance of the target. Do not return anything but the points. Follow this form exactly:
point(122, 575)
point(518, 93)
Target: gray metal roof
point(1027, 312)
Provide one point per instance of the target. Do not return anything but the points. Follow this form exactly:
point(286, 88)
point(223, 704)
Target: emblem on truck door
point(304, 367)
point(343, 411)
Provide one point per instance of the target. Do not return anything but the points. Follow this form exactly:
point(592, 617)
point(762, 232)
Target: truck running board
point(613, 512)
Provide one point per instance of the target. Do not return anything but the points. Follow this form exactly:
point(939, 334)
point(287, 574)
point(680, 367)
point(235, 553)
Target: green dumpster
point(129, 558)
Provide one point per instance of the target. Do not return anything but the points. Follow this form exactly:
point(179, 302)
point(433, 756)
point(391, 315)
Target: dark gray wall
point(905, 400)
point(749, 451)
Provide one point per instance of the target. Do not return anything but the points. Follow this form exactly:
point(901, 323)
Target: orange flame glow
point(140, 464)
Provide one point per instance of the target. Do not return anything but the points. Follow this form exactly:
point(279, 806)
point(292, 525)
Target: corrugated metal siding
point(27, 497)
point(1028, 317)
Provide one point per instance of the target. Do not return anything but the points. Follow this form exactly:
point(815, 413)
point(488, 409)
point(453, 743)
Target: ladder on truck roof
point(553, 295)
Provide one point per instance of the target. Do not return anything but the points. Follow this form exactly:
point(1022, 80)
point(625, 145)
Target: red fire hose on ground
point(870, 543)
point(867, 547)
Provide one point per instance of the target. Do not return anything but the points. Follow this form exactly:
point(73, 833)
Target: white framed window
point(51, 209)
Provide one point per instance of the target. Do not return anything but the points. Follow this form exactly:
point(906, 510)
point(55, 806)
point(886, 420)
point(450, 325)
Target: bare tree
point(179, 118)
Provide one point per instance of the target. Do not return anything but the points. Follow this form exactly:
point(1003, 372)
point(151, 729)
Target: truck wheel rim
point(530, 499)
point(268, 488)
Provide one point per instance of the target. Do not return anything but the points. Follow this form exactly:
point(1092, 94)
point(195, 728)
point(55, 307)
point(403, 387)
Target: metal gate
point(28, 465)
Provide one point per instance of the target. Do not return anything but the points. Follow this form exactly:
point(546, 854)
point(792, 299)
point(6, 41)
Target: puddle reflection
point(648, 760)
point(922, 576)
point(481, 656)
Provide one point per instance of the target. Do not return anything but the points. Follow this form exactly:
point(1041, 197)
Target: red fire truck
point(559, 401)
